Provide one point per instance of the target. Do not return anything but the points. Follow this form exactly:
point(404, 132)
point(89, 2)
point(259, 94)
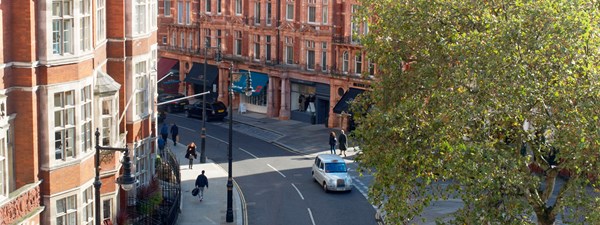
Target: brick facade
point(43, 102)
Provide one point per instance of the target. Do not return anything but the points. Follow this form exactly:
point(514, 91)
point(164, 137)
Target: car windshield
point(335, 167)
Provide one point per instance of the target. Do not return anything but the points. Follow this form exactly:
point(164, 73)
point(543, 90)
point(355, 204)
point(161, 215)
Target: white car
point(331, 173)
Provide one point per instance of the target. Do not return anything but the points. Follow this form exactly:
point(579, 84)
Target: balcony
point(346, 40)
point(180, 50)
point(21, 204)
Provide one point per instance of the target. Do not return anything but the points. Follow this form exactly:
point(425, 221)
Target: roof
point(327, 158)
point(105, 85)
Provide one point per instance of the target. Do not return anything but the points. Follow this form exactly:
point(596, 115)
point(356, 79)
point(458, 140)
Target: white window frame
point(325, 12)
point(108, 118)
point(238, 7)
point(218, 6)
point(208, 6)
point(141, 80)
point(5, 147)
point(86, 118)
point(182, 41)
point(62, 27)
point(140, 16)
point(100, 20)
point(256, 49)
point(268, 48)
point(153, 15)
point(85, 25)
point(180, 12)
point(188, 12)
point(167, 8)
point(269, 13)
point(324, 56)
point(358, 63)
point(289, 11)
point(64, 108)
point(257, 12)
point(289, 50)
point(142, 163)
point(69, 214)
point(345, 62)
point(87, 206)
point(191, 40)
point(311, 13)
point(238, 43)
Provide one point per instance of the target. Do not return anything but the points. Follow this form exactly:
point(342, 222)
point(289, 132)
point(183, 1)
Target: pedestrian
point(190, 154)
point(164, 132)
point(343, 139)
point(174, 133)
point(161, 146)
point(332, 142)
point(201, 181)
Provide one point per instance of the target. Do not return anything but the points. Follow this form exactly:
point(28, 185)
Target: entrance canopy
point(347, 98)
point(196, 75)
point(164, 65)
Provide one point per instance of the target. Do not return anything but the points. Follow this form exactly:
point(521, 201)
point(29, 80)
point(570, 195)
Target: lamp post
point(203, 132)
point(126, 180)
point(248, 91)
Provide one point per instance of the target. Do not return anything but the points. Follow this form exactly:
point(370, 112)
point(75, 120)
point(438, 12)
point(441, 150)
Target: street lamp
point(126, 181)
point(203, 132)
point(248, 91)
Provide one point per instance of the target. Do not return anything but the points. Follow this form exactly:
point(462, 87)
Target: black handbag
point(195, 191)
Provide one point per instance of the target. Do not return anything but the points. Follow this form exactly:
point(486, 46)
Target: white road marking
point(249, 153)
point(185, 128)
point(311, 216)
point(276, 170)
point(299, 193)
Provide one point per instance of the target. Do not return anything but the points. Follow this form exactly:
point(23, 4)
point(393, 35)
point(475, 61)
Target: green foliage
point(486, 80)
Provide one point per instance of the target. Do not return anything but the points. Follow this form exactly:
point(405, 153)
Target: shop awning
point(164, 65)
point(347, 98)
point(195, 76)
point(259, 82)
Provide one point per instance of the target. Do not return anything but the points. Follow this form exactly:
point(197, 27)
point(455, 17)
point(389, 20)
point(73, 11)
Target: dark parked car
point(214, 111)
point(176, 106)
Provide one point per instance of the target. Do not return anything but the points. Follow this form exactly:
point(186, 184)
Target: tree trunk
point(546, 217)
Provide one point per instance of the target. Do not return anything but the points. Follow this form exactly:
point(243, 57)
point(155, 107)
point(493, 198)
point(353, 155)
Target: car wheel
point(325, 187)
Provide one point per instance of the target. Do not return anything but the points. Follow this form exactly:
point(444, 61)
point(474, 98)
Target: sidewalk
point(213, 208)
point(299, 137)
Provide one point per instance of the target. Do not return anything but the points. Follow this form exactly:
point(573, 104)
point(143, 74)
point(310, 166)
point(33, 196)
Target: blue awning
point(259, 82)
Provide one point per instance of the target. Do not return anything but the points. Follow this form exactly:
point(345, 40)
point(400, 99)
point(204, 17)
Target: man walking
point(201, 181)
point(164, 131)
point(174, 133)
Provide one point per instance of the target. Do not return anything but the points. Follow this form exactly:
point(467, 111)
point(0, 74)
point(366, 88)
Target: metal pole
point(97, 182)
point(229, 215)
point(203, 132)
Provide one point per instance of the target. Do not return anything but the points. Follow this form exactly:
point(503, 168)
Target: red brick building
point(69, 68)
point(302, 54)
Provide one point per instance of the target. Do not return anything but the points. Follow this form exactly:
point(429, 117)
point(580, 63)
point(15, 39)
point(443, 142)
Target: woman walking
point(190, 154)
point(332, 142)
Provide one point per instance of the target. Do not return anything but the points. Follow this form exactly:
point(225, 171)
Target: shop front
point(257, 102)
point(195, 78)
point(310, 101)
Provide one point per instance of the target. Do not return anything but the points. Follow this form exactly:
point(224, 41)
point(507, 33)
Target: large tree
point(499, 99)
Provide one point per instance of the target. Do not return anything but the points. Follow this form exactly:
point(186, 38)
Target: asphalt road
point(277, 184)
